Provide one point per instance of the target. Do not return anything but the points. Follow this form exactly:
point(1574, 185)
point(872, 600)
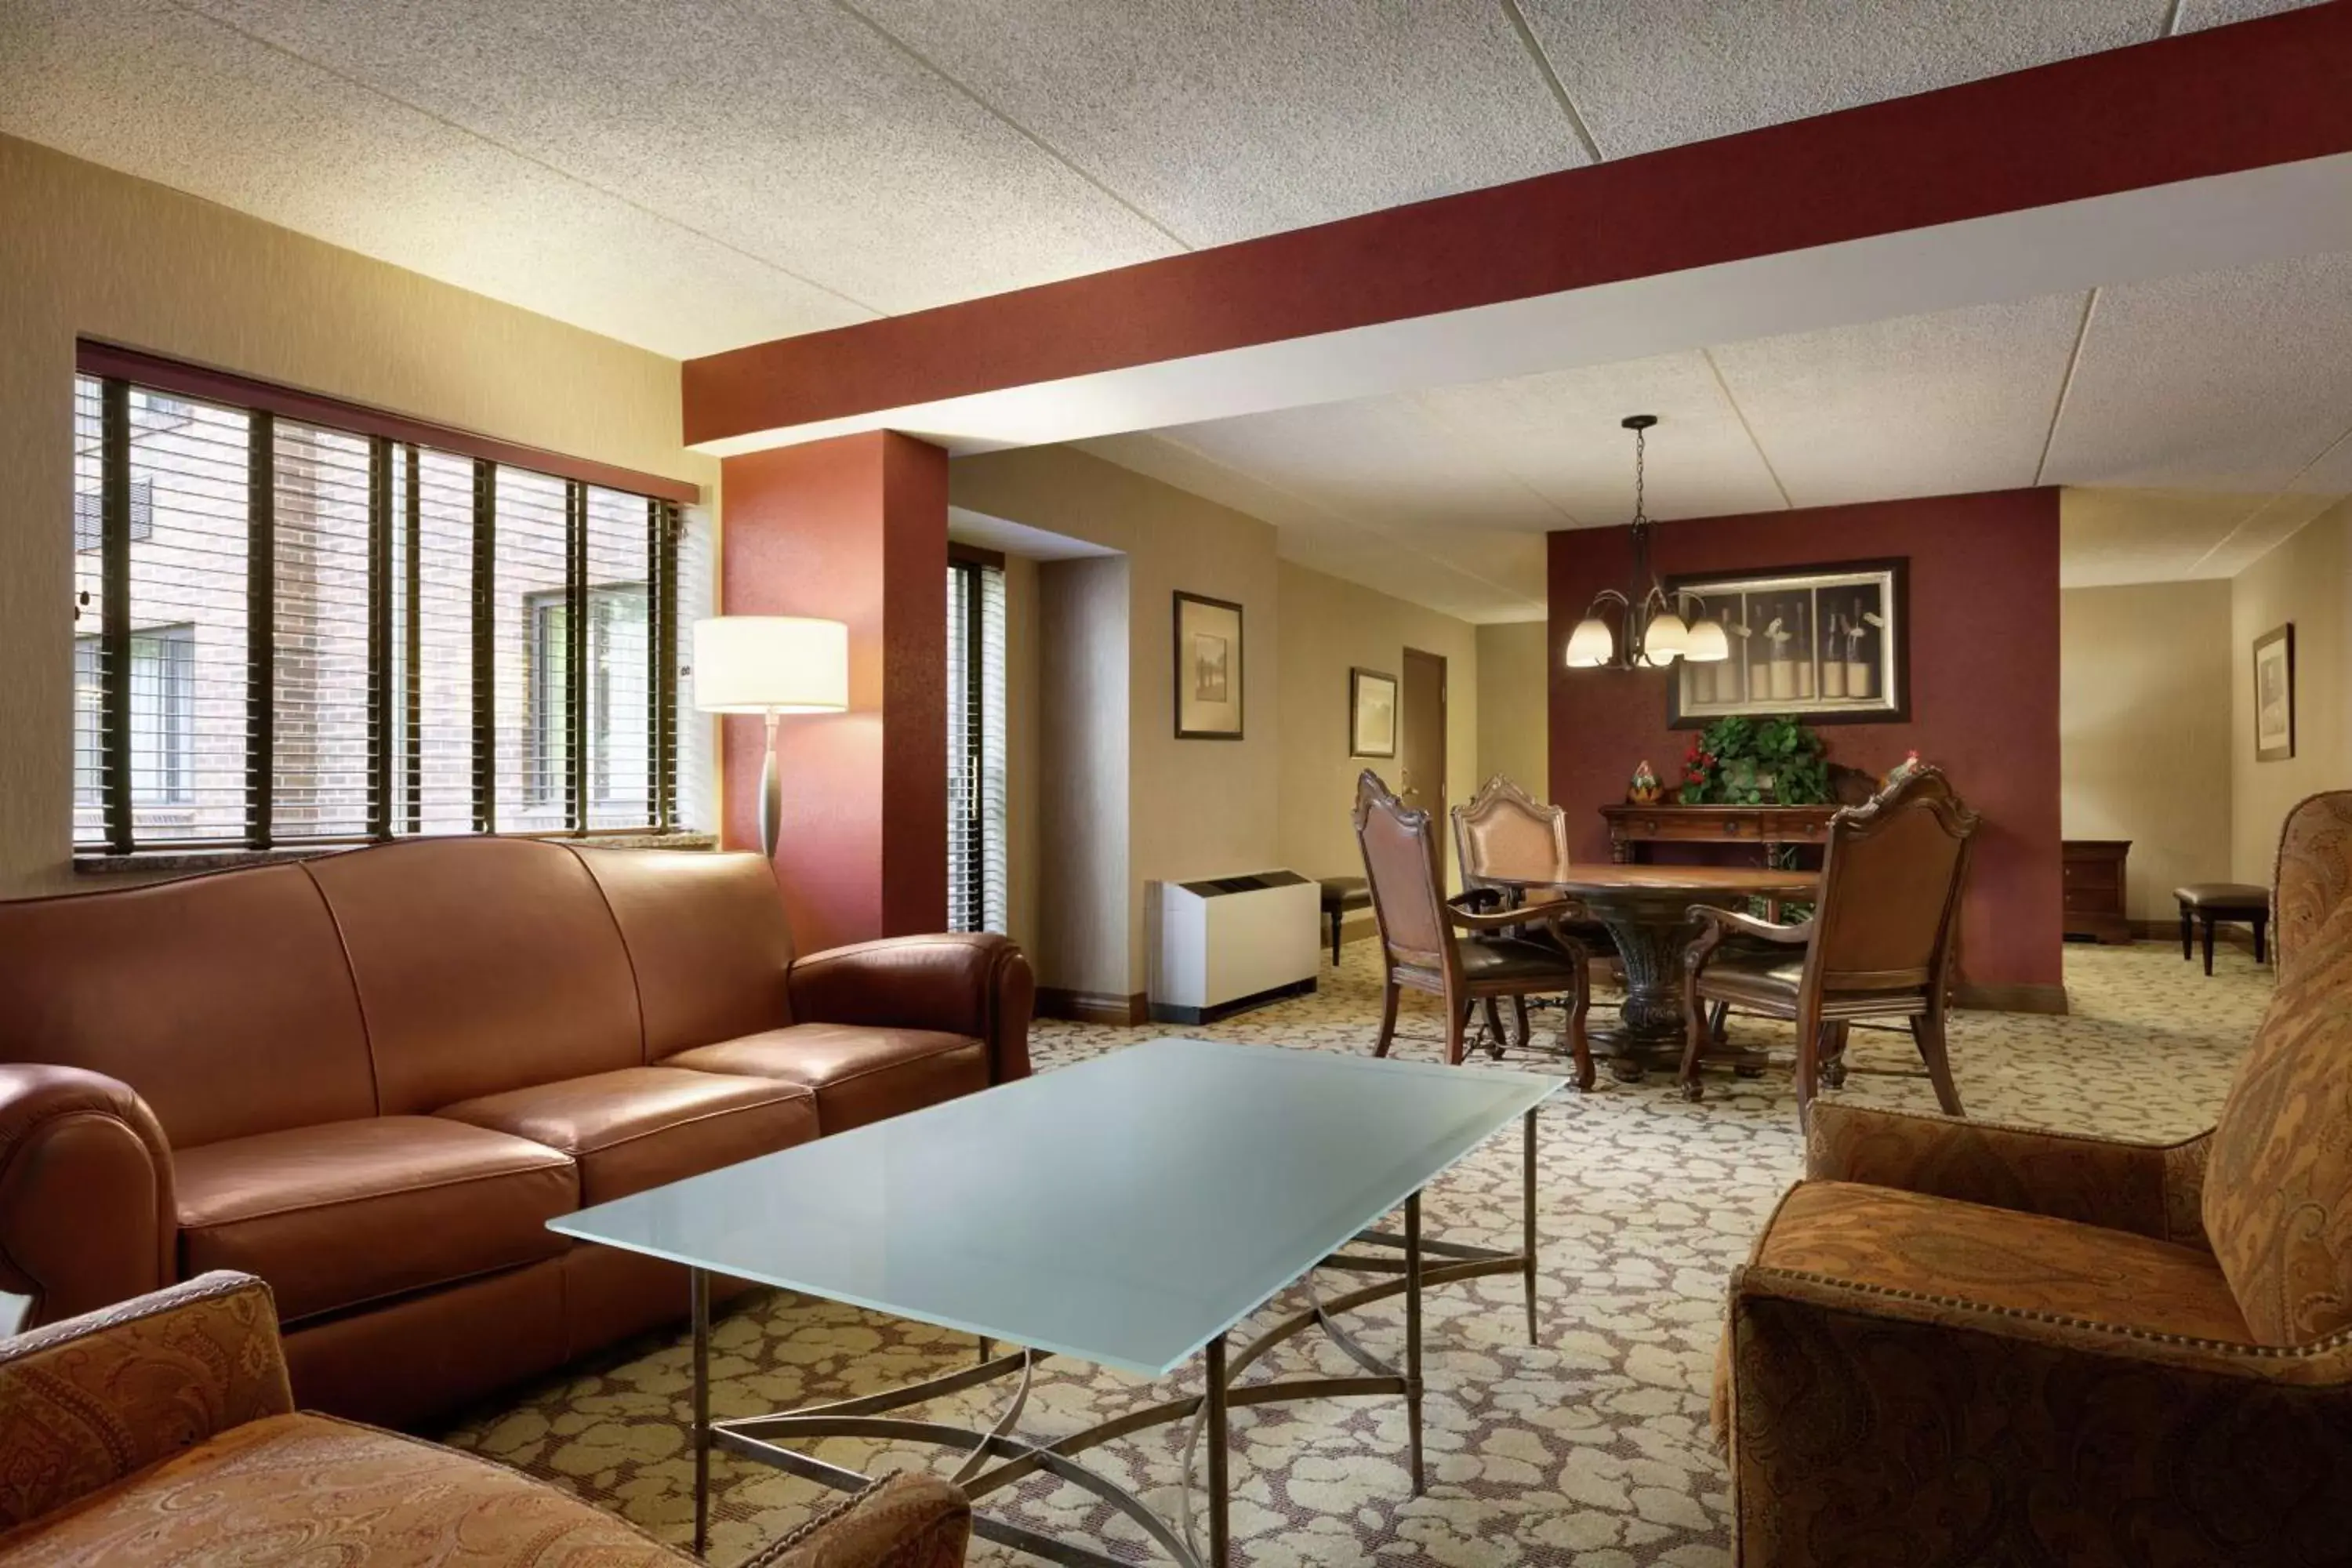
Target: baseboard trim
point(2010, 998)
point(1164, 1012)
point(1093, 1006)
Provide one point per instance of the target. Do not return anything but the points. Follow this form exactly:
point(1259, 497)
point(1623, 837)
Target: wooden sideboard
point(1630, 826)
point(2094, 889)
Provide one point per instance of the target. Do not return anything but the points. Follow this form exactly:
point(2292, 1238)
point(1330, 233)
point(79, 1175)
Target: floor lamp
point(770, 664)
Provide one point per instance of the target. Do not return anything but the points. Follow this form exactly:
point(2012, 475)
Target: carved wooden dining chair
point(1879, 943)
point(1505, 836)
point(1464, 956)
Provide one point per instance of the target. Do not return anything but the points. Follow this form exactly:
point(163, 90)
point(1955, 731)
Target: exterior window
point(977, 879)
point(330, 635)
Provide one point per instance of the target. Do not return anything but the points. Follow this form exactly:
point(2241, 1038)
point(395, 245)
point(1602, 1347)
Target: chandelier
point(1655, 632)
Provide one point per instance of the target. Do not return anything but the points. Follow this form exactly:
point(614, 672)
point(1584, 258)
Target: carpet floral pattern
point(1588, 1448)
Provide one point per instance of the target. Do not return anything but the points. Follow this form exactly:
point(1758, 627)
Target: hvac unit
point(1230, 944)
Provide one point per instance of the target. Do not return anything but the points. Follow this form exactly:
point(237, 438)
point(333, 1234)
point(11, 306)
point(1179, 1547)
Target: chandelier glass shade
point(1652, 620)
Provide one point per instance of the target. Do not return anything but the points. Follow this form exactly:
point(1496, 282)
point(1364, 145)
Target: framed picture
point(2274, 695)
point(1830, 643)
point(1371, 713)
point(1208, 668)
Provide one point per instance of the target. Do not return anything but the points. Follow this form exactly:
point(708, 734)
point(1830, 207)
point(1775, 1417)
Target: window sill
point(153, 863)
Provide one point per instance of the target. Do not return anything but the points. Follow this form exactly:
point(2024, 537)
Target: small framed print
point(1371, 713)
point(1208, 668)
point(2274, 695)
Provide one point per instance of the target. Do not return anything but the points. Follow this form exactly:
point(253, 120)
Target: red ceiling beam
point(2230, 98)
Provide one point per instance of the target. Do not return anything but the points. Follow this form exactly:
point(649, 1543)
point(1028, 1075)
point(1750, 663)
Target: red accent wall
point(854, 530)
point(2261, 92)
point(1984, 685)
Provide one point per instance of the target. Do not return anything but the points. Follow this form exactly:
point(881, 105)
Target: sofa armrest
point(85, 1216)
point(1872, 1425)
point(2146, 1189)
point(93, 1399)
point(908, 1521)
point(976, 983)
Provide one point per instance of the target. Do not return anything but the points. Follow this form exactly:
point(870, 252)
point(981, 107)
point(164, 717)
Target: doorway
point(1420, 744)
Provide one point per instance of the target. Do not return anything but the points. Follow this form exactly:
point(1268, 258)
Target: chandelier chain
point(1641, 447)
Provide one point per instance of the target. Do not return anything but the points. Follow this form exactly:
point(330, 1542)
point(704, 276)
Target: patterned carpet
point(1588, 1450)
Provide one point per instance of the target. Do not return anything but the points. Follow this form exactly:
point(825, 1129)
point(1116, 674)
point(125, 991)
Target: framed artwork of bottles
point(1826, 642)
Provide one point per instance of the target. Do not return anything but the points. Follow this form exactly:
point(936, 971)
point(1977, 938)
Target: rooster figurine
point(1643, 790)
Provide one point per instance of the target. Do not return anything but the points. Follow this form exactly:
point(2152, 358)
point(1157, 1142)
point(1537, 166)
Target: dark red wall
point(851, 530)
point(1984, 685)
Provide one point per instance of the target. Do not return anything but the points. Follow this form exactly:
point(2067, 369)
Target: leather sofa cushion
point(326, 1490)
point(859, 1074)
point(1995, 1257)
point(483, 965)
point(641, 1127)
point(160, 986)
point(708, 939)
point(354, 1211)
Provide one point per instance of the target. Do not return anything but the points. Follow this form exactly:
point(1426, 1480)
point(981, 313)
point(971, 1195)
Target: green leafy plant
point(1738, 760)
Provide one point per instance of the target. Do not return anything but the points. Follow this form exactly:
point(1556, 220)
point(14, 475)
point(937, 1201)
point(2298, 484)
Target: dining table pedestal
point(1647, 913)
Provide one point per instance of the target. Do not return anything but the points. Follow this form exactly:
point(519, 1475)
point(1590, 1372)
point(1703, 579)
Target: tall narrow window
point(977, 879)
point(297, 621)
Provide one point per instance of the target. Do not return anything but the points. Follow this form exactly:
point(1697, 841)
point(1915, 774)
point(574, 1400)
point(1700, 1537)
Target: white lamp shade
point(760, 664)
point(1665, 639)
point(1589, 646)
point(1707, 643)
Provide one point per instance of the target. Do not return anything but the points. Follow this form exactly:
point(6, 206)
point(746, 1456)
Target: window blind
point(978, 880)
point(288, 631)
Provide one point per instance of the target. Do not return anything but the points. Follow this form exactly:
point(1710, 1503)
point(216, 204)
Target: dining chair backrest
point(1890, 890)
point(1399, 849)
point(1507, 832)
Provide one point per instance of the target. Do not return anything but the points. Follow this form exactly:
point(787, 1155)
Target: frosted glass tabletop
point(1126, 1210)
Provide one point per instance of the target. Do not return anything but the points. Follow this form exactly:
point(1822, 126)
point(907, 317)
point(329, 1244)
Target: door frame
point(1439, 811)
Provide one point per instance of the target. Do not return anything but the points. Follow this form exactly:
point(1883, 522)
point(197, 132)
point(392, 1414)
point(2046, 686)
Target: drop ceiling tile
point(794, 131)
point(1225, 119)
point(1671, 71)
point(145, 87)
point(2220, 381)
point(1933, 405)
point(1560, 433)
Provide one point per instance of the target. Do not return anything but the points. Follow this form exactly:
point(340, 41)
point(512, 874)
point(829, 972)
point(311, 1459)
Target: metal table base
point(1415, 1262)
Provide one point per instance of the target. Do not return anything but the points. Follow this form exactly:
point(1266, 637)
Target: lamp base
point(772, 796)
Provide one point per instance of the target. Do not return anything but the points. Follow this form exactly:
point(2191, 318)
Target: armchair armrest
point(102, 1395)
point(1552, 919)
point(2148, 1189)
point(909, 1520)
point(1722, 924)
point(975, 984)
point(1870, 1425)
point(85, 1216)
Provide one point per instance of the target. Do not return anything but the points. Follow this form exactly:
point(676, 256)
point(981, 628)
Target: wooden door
point(1420, 744)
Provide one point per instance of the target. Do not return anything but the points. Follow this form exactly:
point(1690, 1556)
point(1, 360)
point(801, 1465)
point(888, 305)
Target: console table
point(1630, 826)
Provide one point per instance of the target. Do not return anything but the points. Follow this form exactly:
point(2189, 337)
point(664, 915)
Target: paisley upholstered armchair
point(1959, 1343)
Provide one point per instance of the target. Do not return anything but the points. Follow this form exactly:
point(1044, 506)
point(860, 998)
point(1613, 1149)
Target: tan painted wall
point(1514, 705)
point(1327, 627)
point(2144, 715)
point(88, 252)
point(1083, 785)
point(2306, 580)
point(1194, 809)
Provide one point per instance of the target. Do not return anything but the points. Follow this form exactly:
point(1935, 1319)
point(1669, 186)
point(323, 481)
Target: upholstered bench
point(1341, 894)
point(2210, 904)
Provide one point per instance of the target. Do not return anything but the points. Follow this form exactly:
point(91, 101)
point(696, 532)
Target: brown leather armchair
point(1878, 944)
point(1420, 941)
point(1961, 1344)
point(373, 1078)
point(162, 1431)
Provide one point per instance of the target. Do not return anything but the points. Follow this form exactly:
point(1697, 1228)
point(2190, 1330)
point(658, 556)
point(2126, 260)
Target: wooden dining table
point(1647, 912)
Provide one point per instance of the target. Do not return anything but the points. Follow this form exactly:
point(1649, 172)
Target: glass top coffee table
point(1127, 1211)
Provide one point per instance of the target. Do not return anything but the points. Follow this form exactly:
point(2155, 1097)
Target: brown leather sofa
point(162, 1432)
point(372, 1079)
